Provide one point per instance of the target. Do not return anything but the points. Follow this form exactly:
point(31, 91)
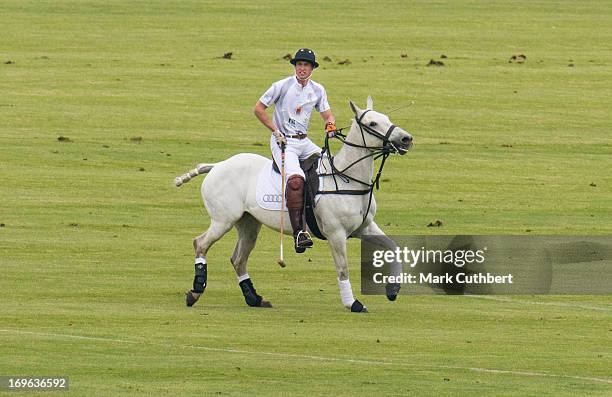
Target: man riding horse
point(294, 98)
point(346, 206)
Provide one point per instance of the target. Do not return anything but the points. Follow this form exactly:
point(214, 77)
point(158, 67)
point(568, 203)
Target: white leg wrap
point(346, 292)
point(243, 277)
point(200, 260)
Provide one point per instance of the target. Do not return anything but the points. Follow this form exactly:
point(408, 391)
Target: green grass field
point(96, 242)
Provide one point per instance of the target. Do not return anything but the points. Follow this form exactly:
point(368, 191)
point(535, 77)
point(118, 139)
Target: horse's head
point(378, 131)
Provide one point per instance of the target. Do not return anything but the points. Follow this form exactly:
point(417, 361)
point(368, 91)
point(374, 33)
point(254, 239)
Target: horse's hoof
point(190, 298)
point(392, 291)
point(358, 307)
point(265, 303)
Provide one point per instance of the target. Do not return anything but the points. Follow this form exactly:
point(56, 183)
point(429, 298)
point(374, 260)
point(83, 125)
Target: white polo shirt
point(294, 103)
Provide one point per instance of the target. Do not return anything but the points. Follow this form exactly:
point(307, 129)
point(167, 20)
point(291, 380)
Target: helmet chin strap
point(307, 77)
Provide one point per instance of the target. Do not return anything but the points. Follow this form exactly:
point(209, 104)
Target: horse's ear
point(370, 103)
point(354, 108)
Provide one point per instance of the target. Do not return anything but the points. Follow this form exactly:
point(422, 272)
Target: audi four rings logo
point(272, 198)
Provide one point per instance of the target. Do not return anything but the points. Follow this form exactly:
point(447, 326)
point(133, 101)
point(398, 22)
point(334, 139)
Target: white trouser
point(296, 150)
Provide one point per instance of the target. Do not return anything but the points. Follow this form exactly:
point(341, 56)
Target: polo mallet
point(281, 261)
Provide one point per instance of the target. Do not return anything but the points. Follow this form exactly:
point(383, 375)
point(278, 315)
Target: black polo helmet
point(304, 54)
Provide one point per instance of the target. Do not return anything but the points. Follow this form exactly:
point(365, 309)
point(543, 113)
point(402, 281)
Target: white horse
point(229, 189)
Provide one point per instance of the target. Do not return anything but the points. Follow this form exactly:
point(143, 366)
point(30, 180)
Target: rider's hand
point(330, 129)
point(280, 137)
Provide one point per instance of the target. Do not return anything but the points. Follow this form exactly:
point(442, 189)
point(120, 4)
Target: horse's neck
point(363, 169)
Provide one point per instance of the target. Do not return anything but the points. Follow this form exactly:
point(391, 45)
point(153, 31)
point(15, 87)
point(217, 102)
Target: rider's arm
point(260, 112)
point(328, 116)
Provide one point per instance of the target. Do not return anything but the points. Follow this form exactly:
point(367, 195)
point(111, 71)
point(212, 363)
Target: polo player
point(294, 99)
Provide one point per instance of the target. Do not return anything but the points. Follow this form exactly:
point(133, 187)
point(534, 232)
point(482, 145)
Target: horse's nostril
point(407, 139)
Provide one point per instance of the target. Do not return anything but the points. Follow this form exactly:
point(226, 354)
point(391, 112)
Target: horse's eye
point(373, 124)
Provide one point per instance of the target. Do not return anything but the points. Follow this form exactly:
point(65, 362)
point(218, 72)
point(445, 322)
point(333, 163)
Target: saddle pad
point(268, 191)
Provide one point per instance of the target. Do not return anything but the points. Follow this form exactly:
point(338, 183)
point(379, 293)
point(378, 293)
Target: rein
point(376, 152)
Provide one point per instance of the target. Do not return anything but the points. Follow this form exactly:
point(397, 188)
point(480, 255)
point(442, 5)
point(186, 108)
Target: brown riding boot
point(295, 205)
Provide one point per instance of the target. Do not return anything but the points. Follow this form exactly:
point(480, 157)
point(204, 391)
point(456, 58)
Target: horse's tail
point(198, 170)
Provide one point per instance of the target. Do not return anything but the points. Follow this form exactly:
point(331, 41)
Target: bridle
point(375, 152)
point(384, 138)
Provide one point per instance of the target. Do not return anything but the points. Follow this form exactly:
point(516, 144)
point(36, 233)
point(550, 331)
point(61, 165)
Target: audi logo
point(272, 198)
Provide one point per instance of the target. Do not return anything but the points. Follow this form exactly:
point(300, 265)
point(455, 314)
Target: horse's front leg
point(375, 235)
point(337, 243)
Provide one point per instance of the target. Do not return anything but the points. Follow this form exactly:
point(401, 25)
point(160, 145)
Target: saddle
point(311, 187)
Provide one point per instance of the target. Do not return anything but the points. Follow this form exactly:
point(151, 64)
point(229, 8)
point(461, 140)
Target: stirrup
point(302, 241)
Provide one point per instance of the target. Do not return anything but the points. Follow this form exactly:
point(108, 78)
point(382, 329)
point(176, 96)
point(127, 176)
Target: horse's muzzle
point(404, 144)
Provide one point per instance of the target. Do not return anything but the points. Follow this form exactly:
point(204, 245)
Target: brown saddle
point(309, 166)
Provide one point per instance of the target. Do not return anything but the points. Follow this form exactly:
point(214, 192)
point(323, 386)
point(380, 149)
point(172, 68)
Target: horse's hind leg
point(248, 229)
point(202, 244)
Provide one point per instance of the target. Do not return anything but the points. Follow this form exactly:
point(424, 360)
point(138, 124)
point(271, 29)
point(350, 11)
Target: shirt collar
point(298, 82)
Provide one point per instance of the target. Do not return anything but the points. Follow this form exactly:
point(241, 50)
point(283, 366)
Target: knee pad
point(200, 278)
point(295, 192)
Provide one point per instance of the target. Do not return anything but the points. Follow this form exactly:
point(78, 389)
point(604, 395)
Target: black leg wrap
point(358, 307)
point(250, 295)
point(392, 291)
point(199, 280)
